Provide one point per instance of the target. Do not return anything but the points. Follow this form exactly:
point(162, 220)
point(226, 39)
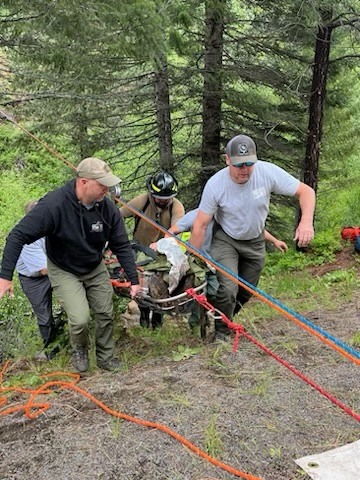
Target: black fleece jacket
point(75, 236)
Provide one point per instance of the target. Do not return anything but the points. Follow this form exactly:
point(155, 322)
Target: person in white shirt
point(32, 269)
point(238, 198)
point(185, 224)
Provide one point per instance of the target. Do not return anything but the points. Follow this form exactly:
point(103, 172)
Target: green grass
point(116, 426)
point(355, 340)
point(213, 442)
point(301, 292)
point(175, 400)
point(296, 289)
point(174, 340)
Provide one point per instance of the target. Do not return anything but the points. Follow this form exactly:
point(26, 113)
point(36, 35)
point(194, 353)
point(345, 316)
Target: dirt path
point(250, 411)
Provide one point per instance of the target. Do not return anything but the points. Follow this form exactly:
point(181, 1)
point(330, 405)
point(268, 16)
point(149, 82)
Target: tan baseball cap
point(95, 169)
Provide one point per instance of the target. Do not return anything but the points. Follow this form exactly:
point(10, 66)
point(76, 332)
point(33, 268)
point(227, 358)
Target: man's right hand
point(6, 286)
point(153, 246)
point(135, 290)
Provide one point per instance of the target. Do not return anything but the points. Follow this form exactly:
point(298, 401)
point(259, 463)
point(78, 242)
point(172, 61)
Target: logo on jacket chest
point(97, 227)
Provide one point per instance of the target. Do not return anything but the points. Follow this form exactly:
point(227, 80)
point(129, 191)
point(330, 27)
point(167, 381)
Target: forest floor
point(244, 408)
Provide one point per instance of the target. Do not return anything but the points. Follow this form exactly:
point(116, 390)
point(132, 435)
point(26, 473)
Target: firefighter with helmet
point(161, 205)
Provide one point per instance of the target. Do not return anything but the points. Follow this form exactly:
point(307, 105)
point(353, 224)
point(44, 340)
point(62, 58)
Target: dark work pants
point(39, 293)
point(245, 258)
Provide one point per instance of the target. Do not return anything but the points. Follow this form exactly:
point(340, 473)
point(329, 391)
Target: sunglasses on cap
point(241, 164)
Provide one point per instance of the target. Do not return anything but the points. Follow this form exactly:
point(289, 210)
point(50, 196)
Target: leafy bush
point(18, 326)
point(322, 250)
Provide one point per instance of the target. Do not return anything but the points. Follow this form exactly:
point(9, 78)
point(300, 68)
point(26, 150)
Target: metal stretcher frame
point(175, 304)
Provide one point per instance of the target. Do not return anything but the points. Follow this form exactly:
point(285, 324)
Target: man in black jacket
point(78, 220)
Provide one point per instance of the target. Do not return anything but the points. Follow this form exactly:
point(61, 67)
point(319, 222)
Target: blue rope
point(302, 319)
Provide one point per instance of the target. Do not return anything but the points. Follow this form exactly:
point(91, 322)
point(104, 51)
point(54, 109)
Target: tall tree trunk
point(162, 99)
point(211, 116)
point(317, 100)
point(80, 134)
point(317, 103)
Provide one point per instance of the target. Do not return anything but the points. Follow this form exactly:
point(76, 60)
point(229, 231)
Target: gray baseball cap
point(241, 149)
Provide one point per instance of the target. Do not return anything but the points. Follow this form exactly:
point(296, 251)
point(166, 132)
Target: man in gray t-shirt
point(238, 198)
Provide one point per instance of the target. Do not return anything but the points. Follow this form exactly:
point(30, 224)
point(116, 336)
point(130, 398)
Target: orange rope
point(241, 284)
point(44, 144)
point(33, 409)
point(286, 314)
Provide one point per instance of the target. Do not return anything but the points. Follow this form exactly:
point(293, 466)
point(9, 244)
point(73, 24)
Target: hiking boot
point(111, 365)
point(52, 352)
point(223, 336)
point(219, 337)
point(156, 320)
point(80, 360)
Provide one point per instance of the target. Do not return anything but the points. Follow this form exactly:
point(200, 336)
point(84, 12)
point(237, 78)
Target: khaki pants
point(78, 294)
point(245, 258)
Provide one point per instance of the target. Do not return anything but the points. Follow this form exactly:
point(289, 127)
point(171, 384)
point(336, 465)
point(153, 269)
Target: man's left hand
point(304, 234)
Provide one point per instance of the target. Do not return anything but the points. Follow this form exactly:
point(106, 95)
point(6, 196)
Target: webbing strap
point(137, 218)
point(143, 210)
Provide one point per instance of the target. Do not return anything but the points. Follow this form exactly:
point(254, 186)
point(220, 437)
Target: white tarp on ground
point(342, 463)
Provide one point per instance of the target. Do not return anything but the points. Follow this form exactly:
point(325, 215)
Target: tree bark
point(316, 104)
point(212, 93)
point(80, 136)
point(317, 100)
point(162, 100)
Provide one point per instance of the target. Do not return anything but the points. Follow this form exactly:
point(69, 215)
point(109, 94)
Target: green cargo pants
point(245, 258)
point(78, 294)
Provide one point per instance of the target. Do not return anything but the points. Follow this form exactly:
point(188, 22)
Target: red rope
point(280, 309)
point(240, 330)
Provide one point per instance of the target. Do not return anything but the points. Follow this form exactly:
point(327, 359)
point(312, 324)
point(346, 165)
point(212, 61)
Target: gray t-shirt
point(187, 221)
point(241, 210)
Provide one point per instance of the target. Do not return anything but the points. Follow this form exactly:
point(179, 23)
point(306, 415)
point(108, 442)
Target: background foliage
point(127, 81)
